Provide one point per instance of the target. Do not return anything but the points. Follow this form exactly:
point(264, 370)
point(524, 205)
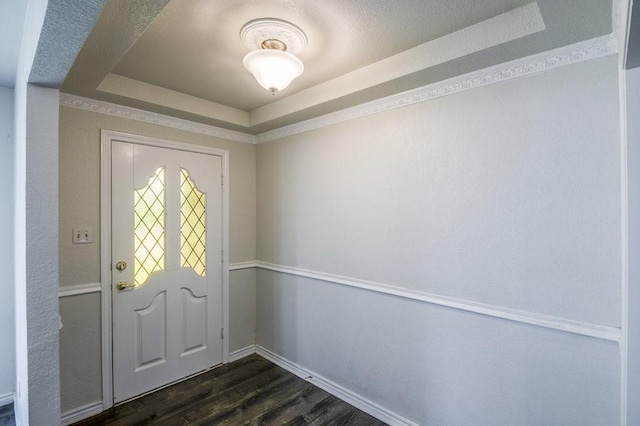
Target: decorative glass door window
point(193, 204)
point(149, 228)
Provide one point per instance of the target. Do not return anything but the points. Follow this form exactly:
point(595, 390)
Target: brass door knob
point(123, 284)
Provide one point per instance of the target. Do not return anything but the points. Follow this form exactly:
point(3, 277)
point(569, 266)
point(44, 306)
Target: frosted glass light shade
point(273, 69)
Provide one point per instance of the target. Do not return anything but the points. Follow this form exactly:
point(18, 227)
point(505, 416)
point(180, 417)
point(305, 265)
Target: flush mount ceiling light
point(274, 44)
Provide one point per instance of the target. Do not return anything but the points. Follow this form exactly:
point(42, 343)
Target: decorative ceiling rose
point(274, 44)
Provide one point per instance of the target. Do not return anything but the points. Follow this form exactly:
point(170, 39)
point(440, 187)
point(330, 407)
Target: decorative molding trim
point(81, 413)
point(603, 332)
point(567, 55)
point(241, 353)
point(242, 265)
point(76, 290)
point(336, 390)
point(107, 108)
point(6, 399)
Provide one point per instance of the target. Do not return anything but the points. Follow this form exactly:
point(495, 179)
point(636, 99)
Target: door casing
point(107, 137)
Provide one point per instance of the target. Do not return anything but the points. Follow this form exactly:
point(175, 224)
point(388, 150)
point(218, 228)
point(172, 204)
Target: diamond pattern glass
point(149, 228)
point(193, 204)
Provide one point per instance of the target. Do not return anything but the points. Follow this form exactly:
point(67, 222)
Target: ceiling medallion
point(274, 44)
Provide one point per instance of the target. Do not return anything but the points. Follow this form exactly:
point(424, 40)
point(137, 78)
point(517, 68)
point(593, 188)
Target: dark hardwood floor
point(251, 391)
point(6, 415)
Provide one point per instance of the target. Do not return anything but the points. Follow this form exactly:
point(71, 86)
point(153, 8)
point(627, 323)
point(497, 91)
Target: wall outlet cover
point(82, 236)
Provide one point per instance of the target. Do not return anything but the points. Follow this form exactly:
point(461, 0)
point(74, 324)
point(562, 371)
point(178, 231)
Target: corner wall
point(633, 170)
point(7, 316)
point(506, 196)
point(80, 349)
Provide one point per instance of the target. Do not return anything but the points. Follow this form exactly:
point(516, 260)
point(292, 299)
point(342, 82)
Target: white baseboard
point(6, 399)
point(81, 413)
point(336, 390)
point(241, 353)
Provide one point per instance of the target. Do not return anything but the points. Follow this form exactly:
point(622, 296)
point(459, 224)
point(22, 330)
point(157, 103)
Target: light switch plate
point(82, 236)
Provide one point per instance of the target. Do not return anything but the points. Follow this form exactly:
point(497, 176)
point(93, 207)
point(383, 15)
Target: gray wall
point(507, 195)
point(633, 164)
point(7, 323)
point(80, 264)
point(37, 400)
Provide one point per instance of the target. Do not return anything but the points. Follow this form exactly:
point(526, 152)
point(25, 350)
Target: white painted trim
point(336, 390)
point(226, 253)
point(621, 17)
point(241, 353)
point(624, 249)
point(7, 398)
point(81, 413)
point(100, 107)
point(238, 266)
point(546, 321)
point(107, 137)
point(77, 290)
point(567, 55)
point(579, 52)
point(105, 270)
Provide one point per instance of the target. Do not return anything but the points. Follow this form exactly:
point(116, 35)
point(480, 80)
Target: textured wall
point(633, 138)
point(80, 188)
point(80, 351)
point(34, 18)
point(439, 366)
point(7, 322)
point(80, 264)
point(41, 257)
point(242, 305)
point(507, 195)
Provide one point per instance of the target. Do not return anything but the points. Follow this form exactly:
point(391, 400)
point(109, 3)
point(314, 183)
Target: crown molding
point(115, 110)
point(531, 65)
point(567, 55)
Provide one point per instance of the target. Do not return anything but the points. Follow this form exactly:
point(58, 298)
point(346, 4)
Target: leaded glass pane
point(192, 225)
point(149, 228)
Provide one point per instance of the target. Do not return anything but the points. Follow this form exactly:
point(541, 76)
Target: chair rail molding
point(79, 289)
point(613, 334)
point(242, 265)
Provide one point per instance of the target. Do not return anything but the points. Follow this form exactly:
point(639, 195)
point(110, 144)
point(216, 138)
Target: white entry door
point(166, 266)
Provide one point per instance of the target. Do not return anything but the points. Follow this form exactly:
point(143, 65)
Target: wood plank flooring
point(7, 417)
point(250, 391)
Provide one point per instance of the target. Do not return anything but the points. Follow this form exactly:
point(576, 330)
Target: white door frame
point(107, 137)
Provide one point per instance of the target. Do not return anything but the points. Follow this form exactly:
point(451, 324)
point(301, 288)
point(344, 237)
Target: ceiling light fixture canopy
point(274, 44)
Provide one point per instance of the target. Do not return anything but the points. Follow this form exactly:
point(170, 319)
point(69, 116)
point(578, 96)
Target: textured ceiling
point(194, 46)
point(185, 58)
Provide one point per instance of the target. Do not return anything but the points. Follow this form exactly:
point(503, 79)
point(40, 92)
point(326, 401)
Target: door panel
point(151, 329)
point(195, 322)
point(167, 228)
